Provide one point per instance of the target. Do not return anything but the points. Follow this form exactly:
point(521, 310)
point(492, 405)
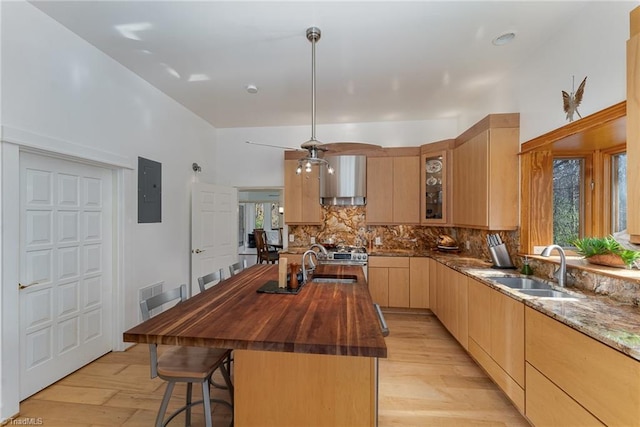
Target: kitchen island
point(301, 359)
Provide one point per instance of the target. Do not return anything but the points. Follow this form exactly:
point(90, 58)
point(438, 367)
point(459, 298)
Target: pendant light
point(313, 146)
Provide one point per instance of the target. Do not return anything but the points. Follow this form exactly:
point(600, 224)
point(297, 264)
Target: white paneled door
point(65, 268)
point(214, 230)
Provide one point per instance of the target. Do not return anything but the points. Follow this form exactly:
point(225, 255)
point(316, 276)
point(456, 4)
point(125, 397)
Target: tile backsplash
point(346, 225)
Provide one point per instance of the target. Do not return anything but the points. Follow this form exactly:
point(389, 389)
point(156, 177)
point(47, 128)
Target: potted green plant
point(605, 251)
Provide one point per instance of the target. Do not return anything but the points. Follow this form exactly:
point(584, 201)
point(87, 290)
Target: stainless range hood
point(348, 184)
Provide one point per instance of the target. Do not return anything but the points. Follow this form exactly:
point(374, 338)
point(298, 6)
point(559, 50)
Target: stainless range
point(348, 255)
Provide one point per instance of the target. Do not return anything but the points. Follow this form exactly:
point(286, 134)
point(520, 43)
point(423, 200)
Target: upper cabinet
point(485, 174)
point(435, 183)
point(633, 127)
point(301, 193)
point(393, 187)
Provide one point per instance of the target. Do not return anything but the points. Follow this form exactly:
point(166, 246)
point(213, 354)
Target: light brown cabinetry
point(496, 338)
point(633, 127)
point(451, 305)
point(547, 405)
point(485, 174)
point(603, 381)
point(435, 183)
point(388, 279)
point(419, 282)
point(301, 193)
point(393, 188)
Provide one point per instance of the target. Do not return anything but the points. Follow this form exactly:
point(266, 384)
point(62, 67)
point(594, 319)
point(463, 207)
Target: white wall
point(592, 44)
point(57, 85)
point(246, 165)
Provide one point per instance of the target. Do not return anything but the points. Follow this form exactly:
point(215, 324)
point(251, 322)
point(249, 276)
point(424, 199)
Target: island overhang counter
point(299, 359)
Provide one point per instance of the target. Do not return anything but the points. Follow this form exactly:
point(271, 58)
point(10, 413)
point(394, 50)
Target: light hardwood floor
point(427, 379)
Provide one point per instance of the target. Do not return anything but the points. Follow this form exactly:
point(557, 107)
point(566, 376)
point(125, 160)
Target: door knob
point(198, 251)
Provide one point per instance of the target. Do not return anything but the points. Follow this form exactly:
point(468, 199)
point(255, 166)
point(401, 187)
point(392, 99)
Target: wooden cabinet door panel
point(399, 287)
point(603, 380)
point(507, 337)
point(379, 190)
point(433, 285)
point(547, 405)
point(503, 179)
point(301, 195)
point(471, 182)
point(419, 286)
point(480, 314)
point(462, 309)
point(378, 279)
point(406, 190)
point(292, 192)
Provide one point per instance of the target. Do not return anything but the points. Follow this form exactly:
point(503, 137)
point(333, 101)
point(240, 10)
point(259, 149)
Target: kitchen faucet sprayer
point(561, 272)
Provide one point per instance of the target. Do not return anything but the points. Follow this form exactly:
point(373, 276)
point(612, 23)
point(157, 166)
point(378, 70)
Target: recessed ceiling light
point(503, 39)
point(252, 89)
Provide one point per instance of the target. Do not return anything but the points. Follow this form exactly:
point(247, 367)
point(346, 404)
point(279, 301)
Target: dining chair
point(183, 364)
point(265, 252)
point(237, 267)
point(206, 280)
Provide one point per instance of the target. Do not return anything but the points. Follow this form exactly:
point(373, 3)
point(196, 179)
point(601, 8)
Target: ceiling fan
point(315, 148)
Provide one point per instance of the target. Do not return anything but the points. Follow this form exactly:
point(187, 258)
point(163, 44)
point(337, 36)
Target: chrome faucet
point(561, 272)
point(312, 266)
point(319, 246)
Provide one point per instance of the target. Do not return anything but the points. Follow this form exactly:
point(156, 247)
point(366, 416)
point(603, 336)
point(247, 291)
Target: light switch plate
point(291, 237)
point(378, 241)
point(313, 240)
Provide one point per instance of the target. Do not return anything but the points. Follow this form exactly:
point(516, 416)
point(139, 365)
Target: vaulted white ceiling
point(376, 61)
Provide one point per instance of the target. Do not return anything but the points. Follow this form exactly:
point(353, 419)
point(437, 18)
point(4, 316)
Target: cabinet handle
point(198, 251)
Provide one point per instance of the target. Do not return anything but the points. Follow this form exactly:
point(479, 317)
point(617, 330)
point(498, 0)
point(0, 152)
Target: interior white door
point(65, 268)
point(214, 230)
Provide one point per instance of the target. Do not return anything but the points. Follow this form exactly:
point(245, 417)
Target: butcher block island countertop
point(299, 359)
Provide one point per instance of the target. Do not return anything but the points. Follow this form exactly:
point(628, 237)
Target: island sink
point(334, 278)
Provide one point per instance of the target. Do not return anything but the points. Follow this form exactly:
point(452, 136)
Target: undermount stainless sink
point(531, 287)
point(520, 282)
point(546, 293)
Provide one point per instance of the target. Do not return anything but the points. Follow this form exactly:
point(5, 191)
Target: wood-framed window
point(598, 144)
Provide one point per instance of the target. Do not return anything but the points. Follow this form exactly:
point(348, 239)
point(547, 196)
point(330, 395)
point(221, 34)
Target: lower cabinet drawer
point(508, 385)
point(604, 381)
point(547, 405)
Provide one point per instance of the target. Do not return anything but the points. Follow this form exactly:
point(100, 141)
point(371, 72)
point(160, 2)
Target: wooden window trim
point(597, 135)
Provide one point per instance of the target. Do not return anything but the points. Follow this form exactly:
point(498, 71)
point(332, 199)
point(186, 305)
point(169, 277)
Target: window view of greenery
point(619, 192)
point(567, 212)
point(275, 216)
point(259, 215)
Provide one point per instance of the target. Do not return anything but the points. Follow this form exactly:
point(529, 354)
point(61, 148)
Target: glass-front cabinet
point(435, 184)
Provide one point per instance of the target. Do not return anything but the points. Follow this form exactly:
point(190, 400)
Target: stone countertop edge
point(613, 323)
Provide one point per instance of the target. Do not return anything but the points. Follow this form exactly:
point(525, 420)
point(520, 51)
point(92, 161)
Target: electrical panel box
point(149, 191)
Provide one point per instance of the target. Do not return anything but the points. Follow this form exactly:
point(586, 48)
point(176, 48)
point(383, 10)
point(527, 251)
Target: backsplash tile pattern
point(346, 225)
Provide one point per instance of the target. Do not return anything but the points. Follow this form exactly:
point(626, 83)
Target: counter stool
point(204, 281)
point(237, 267)
point(182, 364)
